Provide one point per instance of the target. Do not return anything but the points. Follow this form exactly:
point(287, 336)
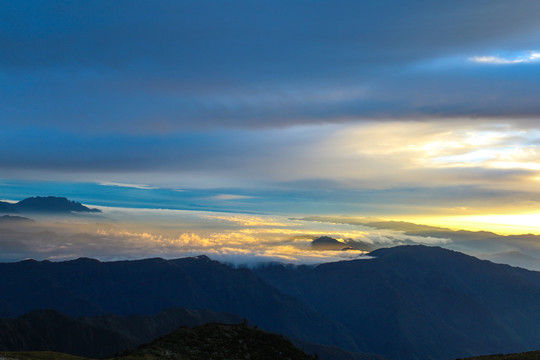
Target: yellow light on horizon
point(502, 224)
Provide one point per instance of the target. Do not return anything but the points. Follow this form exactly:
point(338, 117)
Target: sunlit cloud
point(414, 146)
point(530, 57)
point(516, 165)
point(250, 220)
point(134, 186)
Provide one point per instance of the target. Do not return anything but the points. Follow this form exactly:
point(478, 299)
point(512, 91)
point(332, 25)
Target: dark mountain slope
point(418, 302)
point(49, 330)
point(410, 302)
point(7, 208)
point(89, 287)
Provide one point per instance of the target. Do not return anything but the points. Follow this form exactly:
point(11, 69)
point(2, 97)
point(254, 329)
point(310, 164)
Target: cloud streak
point(532, 56)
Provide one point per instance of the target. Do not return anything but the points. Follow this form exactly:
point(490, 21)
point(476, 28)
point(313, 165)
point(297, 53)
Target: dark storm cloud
point(245, 153)
point(215, 35)
point(135, 66)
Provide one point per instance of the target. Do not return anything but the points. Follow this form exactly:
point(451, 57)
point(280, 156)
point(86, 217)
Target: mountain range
point(45, 204)
point(87, 287)
point(407, 302)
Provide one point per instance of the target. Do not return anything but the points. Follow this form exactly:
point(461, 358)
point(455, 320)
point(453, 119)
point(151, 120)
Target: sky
point(425, 111)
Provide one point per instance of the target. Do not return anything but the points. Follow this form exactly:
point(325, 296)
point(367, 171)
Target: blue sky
point(349, 107)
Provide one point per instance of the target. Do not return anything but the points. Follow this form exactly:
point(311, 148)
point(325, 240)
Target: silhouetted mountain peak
point(52, 204)
point(85, 260)
point(30, 261)
point(328, 243)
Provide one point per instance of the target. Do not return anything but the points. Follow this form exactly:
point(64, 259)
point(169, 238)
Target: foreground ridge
point(209, 341)
point(219, 341)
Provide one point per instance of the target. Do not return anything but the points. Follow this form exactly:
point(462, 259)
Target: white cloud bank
point(235, 238)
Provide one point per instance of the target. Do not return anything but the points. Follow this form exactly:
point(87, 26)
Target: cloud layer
point(239, 238)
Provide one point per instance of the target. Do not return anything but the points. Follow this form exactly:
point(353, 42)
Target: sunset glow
point(502, 224)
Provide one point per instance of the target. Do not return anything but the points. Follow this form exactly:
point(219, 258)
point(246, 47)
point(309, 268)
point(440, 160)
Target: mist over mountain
point(515, 258)
point(45, 204)
point(517, 250)
point(15, 220)
point(328, 243)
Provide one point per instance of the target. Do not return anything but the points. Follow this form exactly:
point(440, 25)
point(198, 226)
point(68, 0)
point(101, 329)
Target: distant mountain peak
point(328, 243)
point(46, 204)
point(86, 260)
